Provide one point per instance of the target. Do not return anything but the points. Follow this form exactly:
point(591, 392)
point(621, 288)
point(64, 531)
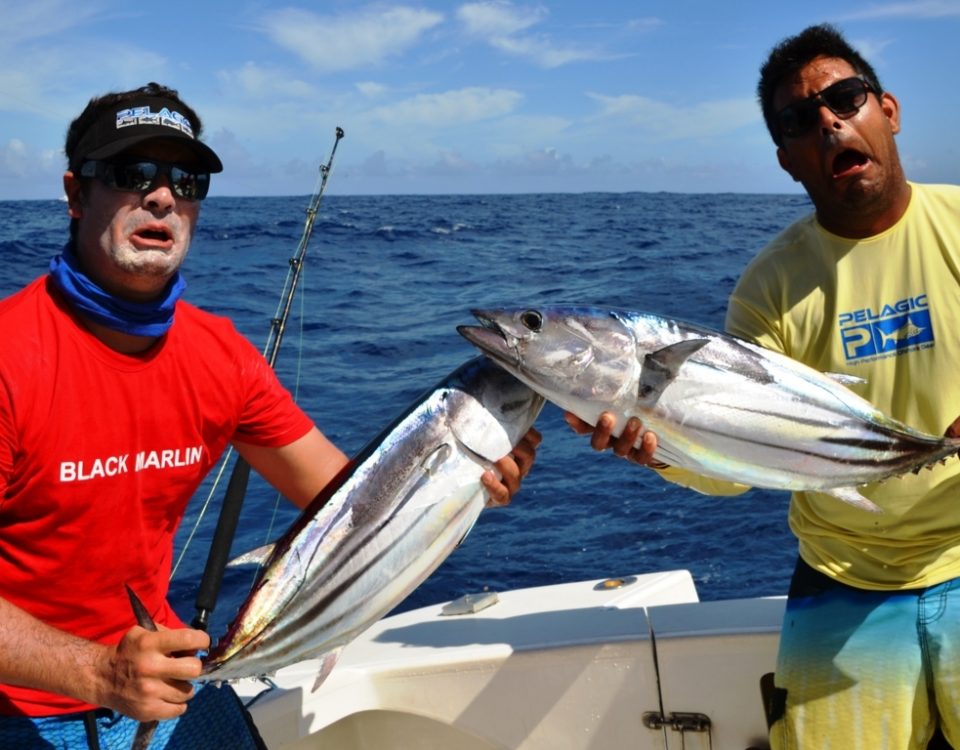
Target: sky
point(463, 97)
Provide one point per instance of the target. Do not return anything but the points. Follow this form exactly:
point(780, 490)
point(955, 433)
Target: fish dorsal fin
point(660, 368)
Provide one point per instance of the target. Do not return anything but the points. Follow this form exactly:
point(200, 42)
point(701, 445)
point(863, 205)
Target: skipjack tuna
point(405, 503)
point(720, 406)
point(395, 513)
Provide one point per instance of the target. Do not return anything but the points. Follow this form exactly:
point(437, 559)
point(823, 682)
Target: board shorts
point(866, 670)
point(215, 720)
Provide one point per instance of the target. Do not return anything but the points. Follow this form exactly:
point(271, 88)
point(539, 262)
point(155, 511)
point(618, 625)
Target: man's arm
point(139, 677)
point(299, 470)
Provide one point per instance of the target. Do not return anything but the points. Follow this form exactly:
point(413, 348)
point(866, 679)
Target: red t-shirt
point(100, 453)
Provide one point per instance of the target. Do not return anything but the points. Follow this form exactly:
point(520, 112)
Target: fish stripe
point(902, 447)
point(331, 596)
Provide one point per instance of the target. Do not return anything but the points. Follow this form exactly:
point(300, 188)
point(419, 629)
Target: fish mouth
point(491, 339)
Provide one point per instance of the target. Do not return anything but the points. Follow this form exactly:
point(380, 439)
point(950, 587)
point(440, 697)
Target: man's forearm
point(36, 655)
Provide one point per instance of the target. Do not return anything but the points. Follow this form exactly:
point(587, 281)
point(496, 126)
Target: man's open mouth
point(154, 235)
point(848, 161)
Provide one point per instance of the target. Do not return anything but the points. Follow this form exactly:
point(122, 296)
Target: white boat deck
point(578, 665)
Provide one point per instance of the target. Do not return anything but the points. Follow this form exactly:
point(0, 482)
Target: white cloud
point(922, 9)
point(371, 89)
point(257, 81)
point(19, 159)
point(496, 19)
point(21, 91)
point(669, 122)
point(644, 24)
point(500, 24)
point(465, 105)
point(14, 156)
point(26, 21)
point(541, 51)
point(332, 43)
point(871, 49)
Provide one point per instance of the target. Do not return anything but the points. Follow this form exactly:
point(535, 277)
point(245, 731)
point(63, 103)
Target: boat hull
point(571, 665)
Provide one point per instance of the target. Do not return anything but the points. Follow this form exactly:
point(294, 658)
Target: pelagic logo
point(894, 328)
point(146, 116)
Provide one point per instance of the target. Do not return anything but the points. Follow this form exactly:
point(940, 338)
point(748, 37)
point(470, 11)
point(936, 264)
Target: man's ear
point(784, 159)
point(72, 188)
point(891, 109)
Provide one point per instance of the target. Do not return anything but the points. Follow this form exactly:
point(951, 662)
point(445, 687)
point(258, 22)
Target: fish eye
point(532, 320)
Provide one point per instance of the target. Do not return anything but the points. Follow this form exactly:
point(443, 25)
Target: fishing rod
point(217, 558)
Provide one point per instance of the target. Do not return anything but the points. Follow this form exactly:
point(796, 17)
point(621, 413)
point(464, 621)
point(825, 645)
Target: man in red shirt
point(116, 399)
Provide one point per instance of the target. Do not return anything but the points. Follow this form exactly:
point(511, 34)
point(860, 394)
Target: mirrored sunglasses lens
point(189, 185)
point(137, 176)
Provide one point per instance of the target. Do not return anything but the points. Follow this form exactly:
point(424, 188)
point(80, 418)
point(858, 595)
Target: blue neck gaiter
point(135, 318)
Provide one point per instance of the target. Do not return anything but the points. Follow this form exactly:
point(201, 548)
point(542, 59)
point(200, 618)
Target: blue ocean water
point(386, 281)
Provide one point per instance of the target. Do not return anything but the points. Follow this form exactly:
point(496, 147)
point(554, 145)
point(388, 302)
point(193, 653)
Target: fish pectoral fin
point(660, 368)
point(412, 496)
point(483, 436)
point(844, 379)
point(327, 662)
point(852, 496)
point(466, 533)
point(256, 556)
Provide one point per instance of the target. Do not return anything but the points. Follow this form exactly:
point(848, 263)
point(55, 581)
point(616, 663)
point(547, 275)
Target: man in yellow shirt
point(868, 285)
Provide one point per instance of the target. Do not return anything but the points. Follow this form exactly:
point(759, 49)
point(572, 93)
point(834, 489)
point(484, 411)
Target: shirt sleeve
point(270, 417)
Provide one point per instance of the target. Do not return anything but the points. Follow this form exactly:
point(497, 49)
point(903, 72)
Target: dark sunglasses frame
point(141, 176)
point(844, 98)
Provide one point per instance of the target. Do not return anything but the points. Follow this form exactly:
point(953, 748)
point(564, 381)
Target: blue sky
point(469, 97)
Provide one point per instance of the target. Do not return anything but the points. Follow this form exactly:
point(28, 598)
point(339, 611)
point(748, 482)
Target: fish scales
point(340, 552)
point(720, 406)
point(402, 506)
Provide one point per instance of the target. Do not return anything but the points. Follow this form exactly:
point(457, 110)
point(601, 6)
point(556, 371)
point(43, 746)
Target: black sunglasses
point(843, 98)
point(142, 176)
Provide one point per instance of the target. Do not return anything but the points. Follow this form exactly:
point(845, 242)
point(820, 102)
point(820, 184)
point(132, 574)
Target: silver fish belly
point(720, 406)
point(405, 502)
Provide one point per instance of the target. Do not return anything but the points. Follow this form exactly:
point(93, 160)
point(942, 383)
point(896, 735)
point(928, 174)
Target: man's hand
point(512, 468)
point(602, 438)
point(147, 675)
